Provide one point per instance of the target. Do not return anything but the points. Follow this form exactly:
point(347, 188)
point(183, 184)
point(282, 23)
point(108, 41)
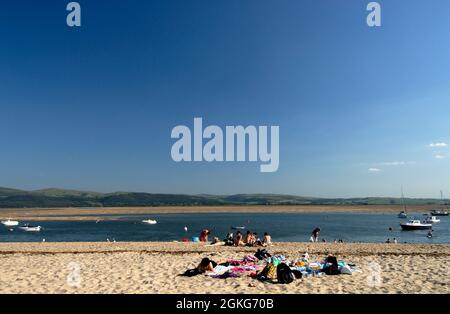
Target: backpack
point(269, 272)
point(298, 274)
point(284, 274)
point(334, 268)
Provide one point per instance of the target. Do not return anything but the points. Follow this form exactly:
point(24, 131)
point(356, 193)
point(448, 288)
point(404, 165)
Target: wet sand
point(110, 213)
point(154, 268)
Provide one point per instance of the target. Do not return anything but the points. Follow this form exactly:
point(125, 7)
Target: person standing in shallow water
point(315, 235)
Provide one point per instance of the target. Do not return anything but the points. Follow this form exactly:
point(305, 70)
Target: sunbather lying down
point(216, 242)
point(206, 265)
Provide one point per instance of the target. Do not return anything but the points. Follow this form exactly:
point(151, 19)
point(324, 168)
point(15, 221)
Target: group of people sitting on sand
point(238, 239)
point(249, 239)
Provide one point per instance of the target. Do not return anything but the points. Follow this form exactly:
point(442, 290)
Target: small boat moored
point(438, 213)
point(30, 228)
point(432, 220)
point(402, 214)
point(10, 223)
point(415, 224)
point(150, 221)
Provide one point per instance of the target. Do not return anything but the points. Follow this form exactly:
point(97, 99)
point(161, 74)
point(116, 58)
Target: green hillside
point(49, 198)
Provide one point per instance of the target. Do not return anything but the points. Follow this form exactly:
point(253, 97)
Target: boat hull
point(10, 224)
point(409, 227)
point(31, 229)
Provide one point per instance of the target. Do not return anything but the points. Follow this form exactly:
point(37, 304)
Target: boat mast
point(444, 204)
point(403, 200)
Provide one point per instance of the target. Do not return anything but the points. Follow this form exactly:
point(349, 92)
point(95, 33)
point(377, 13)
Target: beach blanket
point(219, 270)
point(241, 269)
point(228, 274)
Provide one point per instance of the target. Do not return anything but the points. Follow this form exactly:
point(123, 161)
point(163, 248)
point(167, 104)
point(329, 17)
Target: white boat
point(415, 224)
point(432, 220)
point(10, 223)
point(150, 221)
point(29, 228)
point(402, 214)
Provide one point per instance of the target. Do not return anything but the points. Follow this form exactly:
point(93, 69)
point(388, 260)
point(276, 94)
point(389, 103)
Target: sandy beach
point(111, 213)
point(154, 268)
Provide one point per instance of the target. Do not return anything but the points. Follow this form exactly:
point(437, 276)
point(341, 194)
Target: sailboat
point(403, 214)
point(436, 212)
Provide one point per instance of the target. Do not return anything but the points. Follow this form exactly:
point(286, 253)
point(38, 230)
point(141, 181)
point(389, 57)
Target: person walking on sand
point(315, 235)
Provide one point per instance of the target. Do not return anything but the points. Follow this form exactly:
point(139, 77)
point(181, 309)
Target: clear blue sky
point(92, 108)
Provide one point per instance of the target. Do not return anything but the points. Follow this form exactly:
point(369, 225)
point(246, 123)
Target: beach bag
point(269, 272)
point(332, 269)
point(298, 274)
point(262, 254)
point(284, 274)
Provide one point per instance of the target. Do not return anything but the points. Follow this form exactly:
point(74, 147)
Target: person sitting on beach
point(206, 265)
point(204, 235)
point(258, 242)
point(395, 241)
point(250, 239)
point(267, 240)
point(229, 239)
point(245, 239)
point(238, 239)
point(388, 240)
point(216, 242)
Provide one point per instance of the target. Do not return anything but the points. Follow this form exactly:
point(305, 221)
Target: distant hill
point(50, 198)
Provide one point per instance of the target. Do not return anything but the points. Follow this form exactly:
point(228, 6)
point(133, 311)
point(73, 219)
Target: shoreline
point(175, 247)
point(134, 268)
point(111, 213)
